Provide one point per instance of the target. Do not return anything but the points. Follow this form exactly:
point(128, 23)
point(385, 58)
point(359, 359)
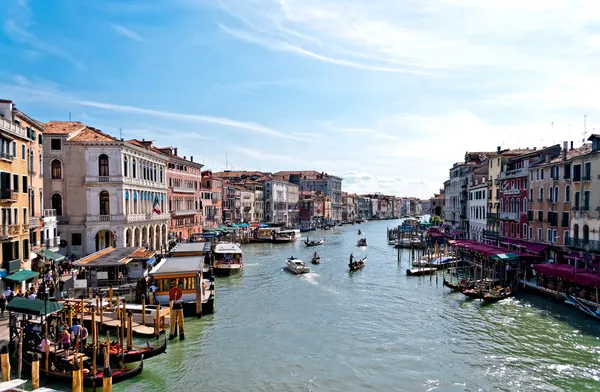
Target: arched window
point(57, 203)
point(525, 205)
point(103, 165)
point(556, 194)
point(576, 231)
point(56, 169)
point(586, 234)
point(518, 206)
point(125, 166)
point(541, 194)
point(568, 193)
point(104, 203)
point(133, 169)
point(41, 165)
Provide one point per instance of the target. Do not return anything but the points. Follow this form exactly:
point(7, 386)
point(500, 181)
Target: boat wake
point(311, 278)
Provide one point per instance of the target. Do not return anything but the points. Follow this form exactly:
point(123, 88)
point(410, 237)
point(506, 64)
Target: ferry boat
point(228, 259)
point(287, 236)
point(267, 234)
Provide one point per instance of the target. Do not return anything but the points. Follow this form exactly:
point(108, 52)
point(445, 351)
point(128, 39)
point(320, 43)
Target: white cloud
point(128, 33)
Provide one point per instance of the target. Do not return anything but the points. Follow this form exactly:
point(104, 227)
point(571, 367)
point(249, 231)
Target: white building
point(105, 191)
point(477, 208)
point(293, 206)
point(276, 208)
point(248, 212)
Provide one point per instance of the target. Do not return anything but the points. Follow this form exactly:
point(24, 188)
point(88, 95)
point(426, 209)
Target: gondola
point(314, 243)
point(361, 242)
point(497, 295)
point(357, 265)
point(472, 293)
point(130, 356)
point(118, 375)
point(450, 285)
point(582, 306)
point(316, 260)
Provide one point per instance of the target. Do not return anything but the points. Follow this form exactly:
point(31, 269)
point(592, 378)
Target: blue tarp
point(151, 261)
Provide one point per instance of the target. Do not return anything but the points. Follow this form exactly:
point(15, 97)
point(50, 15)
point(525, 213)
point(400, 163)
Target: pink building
point(184, 193)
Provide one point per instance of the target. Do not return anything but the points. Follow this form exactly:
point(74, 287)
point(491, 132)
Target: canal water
point(375, 329)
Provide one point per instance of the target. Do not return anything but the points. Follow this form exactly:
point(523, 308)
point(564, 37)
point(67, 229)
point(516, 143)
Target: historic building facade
point(106, 192)
point(212, 195)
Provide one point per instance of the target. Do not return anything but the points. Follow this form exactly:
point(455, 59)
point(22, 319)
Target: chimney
point(499, 148)
point(175, 151)
point(571, 144)
point(564, 151)
point(191, 158)
point(184, 157)
point(547, 158)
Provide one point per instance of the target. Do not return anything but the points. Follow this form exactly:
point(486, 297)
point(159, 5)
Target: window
point(104, 203)
point(567, 171)
point(76, 239)
point(577, 200)
point(549, 235)
point(524, 231)
point(587, 171)
point(525, 205)
point(57, 203)
point(565, 219)
point(55, 144)
point(23, 156)
point(531, 194)
point(576, 172)
point(541, 195)
point(539, 235)
point(41, 166)
point(586, 200)
point(16, 182)
point(56, 167)
point(125, 166)
point(16, 216)
point(133, 168)
point(556, 194)
point(24, 182)
point(530, 232)
point(103, 165)
point(554, 236)
point(25, 217)
point(566, 237)
point(567, 193)
point(14, 152)
point(25, 247)
point(40, 139)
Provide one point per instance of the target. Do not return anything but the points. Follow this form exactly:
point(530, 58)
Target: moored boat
point(497, 295)
point(129, 356)
point(297, 266)
point(228, 259)
point(421, 271)
point(582, 306)
point(287, 236)
point(451, 285)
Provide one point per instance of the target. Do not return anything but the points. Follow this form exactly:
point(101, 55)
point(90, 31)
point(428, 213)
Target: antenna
point(226, 161)
point(69, 116)
point(584, 124)
point(120, 133)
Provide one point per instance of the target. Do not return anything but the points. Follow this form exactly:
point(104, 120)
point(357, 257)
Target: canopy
point(586, 279)
point(505, 256)
point(48, 254)
point(22, 275)
point(555, 270)
point(35, 307)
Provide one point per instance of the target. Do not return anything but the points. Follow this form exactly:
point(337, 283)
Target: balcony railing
point(513, 173)
point(181, 189)
point(25, 228)
point(52, 242)
point(512, 191)
point(10, 230)
point(184, 212)
point(6, 156)
point(492, 215)
point(93, 179)
point(584, 244)
point(49, 212)
point(491, 233)
point(510, 215)
point(34, 221)
point(7, 194)
point(13, 129)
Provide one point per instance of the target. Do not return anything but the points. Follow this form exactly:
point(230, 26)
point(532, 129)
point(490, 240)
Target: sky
point(387, 94)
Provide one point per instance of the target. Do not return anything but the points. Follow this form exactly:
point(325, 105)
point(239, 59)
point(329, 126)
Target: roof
point(89, 134)
point(48, 254)
point(62, 127)
point(141, 253)
point(21, 276)
point(110, 257)
point(35, 307)
point(186, 247)
point(572, 153)
point(305, 174)
point(178, 265)
point(227, 248)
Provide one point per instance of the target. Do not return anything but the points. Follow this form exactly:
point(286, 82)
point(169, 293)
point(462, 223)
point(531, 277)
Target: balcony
point(584, 244)
point(9, 231)
point(145, 217)
point(513, 173)
point(510, 215)
point(184, 212)
point(49, 213)
point(8, 195)
point(180, 189)
point(100, 218)
point(34, 221)
point(102, 179)
point(512, 192)
point(13, 129)
point(490, 233)
point(6, 157)
point(25, 228)
point(492, 216)
point(52, 242)
point(62, 219)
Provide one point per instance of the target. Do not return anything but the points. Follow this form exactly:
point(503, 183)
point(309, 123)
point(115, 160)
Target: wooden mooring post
point(35, 371)
point(5, 363)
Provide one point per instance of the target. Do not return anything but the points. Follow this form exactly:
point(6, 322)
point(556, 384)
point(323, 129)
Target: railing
point(180, 189)
point(12, 128)
point(52, 242)
point(492, 215)
point(510, 215)
point(6, 156)
point(491, 233)
point(513, 173)
point(584, 244)
point(185, 212)
point(25, 228)
point(10, 230)
point(103, 178)
point(92, 179)
point(104, 218)
point(100, 218)
point(63, 219)
point(139, 181)
point(49, 212)
point(7, 194)
point(34, 221)
point(512, 191)
point(144, 217)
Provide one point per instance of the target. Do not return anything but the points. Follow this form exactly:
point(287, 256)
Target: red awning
point(555, 270)
point(586, 279)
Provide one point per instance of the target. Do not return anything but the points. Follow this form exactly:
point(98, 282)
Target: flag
point(156, 207)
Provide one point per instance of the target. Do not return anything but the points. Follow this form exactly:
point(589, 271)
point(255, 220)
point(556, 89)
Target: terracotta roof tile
point(91, 135)
point(573, 153)
point(62, 127)
point(142, 253)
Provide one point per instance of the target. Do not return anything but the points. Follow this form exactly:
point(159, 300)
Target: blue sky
point(387, 94)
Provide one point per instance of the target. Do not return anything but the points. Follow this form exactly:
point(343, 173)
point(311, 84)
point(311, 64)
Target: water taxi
point(287, 235)
point(228, 259)
point(296, 266)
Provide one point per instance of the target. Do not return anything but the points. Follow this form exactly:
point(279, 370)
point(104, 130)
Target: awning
point(555, 270)
point(48, 254)
point(505, 256)
point(21, 276)
point(36, 307)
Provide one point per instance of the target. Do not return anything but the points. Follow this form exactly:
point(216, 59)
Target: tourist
point(8, 292)
point(45, 344)
point(316, 255)
point(83, 334)
point(65, 342)
point(153, 291)
point(32, 295)
point(75, 328)
point(2, 305)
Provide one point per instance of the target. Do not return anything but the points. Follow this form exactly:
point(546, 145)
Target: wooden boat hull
point(476, 294)
point(420, 271)
point(133, 355)
point(360, 264)
point(315, 243)
point(450, 285)
point(495, 298)
point(582, 306)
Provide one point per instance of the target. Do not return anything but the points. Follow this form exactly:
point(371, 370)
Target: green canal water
point(376, 329)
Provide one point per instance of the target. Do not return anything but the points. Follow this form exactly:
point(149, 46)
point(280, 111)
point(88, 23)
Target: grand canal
point(376, 329)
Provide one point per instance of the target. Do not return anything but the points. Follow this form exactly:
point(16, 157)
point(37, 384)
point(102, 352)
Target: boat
point(316, 260)
point(228, 259)
point(296, 266)
point(579, 304)
point(450, 285)
point(421, 271)
point(118, 375)
point(129, 356)
point(287, 236)
point(496, 295)
point(267, 233)
point(359, 232)
point(357, 265)
point(314, 243)
point(475, 292)
point(361, 242)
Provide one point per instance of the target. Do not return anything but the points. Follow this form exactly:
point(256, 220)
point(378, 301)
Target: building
point(585, 199)
point(212, 195)
point(437, 204)
point(259, 200)
point(478, 202)
point(276, 204)
point(106, 192)
point(232, 203)
point(315, 207)
point(17, 139)
point(514, 190)
point(184, 193)
point(247, 199)
point(312, 180)
point(364, 210)
point(349, 211)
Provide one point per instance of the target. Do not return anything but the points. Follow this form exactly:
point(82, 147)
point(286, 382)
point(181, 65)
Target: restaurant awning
point(48, 254)
point(21, 276)
point(505, 256)
point(35, 307)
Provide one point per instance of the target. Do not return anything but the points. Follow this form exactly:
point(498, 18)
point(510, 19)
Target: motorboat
point(228, 259)
point(297, 266)
point(287, 236)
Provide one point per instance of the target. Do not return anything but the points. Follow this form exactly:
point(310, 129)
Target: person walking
point(153, 291)
point(2, 305)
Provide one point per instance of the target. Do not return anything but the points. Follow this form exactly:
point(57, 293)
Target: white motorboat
point(228, 259)
point(297, 266)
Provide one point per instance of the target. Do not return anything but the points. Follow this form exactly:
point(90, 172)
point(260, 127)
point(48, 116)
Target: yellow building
point(16, 136)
